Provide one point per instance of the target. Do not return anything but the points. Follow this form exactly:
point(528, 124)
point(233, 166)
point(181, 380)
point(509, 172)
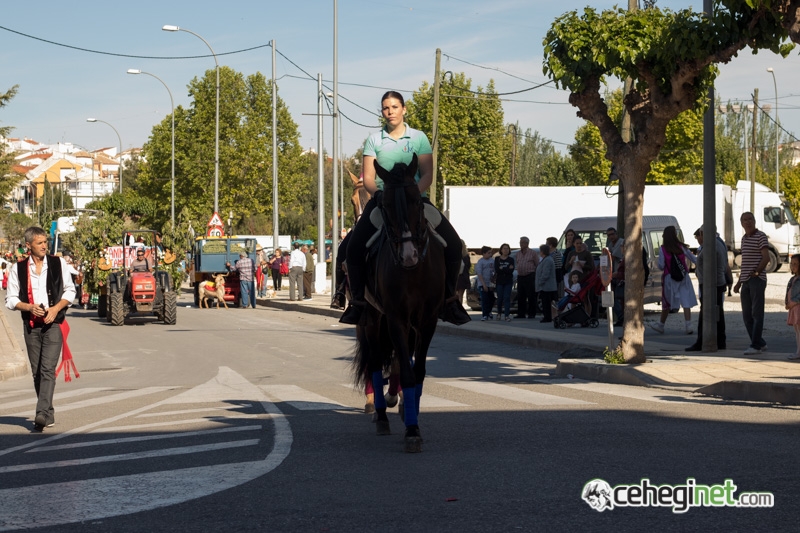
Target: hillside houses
point(81, 174)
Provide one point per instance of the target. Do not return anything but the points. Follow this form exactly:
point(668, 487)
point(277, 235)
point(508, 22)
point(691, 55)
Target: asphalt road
point(245, 420)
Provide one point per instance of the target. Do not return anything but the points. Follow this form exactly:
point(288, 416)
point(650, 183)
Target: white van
point(593, 232)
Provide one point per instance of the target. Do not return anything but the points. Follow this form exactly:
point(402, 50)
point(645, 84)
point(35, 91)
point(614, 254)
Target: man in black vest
point(41, 288)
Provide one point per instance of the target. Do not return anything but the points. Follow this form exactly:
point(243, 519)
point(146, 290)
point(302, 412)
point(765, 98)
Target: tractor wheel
point(170, 311)
point(102, 305)
point(116, 311)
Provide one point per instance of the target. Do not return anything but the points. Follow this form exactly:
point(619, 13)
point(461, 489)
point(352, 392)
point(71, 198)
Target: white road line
point(201, 410)
point(625, 391)
point(102, 400)
point(56, 397)
point(515, 394)
point(160, 436)
point(10, 393)
point(133, 456)
point(301, 399)
point(138, 427)
point(94, 499)
point(428, 400)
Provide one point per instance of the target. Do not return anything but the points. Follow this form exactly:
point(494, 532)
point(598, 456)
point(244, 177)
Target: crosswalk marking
point(300, 398)
point(201, 410)
point(102, 399)
point(136, 427)
point(625, 391)
point(57, 397)
point(430, 401)
point(144, 438)
point(132, 456)
point(515, 394)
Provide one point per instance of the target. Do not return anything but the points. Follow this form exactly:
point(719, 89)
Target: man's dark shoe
point(454, 313)
point(353, 313)
point(338, 301)
point(694, 348)
point(39, 423)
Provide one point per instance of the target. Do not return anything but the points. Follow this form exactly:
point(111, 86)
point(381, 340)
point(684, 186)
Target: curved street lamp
point(777, 133)
point(172, 203)
point(120, 147)
point(169, 27)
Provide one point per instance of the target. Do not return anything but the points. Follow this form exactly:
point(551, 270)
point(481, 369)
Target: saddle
point(432, 215)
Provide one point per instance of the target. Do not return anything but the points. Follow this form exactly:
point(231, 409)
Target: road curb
point(14, 363)
point(623, 375)
point(754, 391)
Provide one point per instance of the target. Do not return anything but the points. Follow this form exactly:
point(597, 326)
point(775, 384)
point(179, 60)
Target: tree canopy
point(670, 56)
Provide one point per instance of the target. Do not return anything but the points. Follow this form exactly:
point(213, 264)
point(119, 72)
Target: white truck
point(494, 215)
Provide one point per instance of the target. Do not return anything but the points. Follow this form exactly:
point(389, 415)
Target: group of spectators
point(297, 265)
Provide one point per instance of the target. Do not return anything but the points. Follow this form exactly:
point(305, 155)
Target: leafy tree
point(8, 178)
point(537, 163)
point(245, 153)
point(14, 226)
point(473, 145)
point(670, 57)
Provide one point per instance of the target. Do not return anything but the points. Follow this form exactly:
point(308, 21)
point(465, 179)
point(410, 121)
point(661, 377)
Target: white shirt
point(297, 259)
point(38, 285)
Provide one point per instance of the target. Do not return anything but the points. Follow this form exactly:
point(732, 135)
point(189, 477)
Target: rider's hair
point(393, 94)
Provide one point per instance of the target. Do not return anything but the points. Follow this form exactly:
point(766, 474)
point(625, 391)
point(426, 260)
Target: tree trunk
point(633, 176)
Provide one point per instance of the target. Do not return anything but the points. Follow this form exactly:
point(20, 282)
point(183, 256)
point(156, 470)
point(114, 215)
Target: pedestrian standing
point(308, 273)
point(546, 284)
point(792, 302)
point(463, 277)
point(676, 287)
point(41, 289)
point(504, 279)
point(526, 262)
point(558, 260)
point(297, 264)
point(484, 270)
point(275, 263)
point(709, 290)
point(753, 281)
point(246, 268)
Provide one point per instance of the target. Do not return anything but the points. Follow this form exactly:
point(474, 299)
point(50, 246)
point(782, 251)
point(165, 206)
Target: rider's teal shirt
point(388, 151)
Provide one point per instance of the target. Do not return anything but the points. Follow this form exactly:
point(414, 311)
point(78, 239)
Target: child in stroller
point(576, 306)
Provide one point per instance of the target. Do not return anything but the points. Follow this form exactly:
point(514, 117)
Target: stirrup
point(353, 313)
point(338, 301)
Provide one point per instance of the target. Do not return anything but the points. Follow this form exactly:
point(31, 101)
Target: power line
point(101, 52)
point(496, 69)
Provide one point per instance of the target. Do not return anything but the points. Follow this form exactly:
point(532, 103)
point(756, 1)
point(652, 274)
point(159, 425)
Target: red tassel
point(66, 355)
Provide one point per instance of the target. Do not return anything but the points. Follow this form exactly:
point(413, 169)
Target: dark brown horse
point(359, 198)
point(405, 282)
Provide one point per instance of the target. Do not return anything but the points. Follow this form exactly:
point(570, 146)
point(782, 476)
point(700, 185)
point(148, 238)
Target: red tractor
point(139, 286)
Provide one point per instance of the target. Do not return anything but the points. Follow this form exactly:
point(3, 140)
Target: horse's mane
point(395, 179)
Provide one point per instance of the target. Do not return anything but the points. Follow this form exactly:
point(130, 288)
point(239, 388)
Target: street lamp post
point(172, 102)
point(777, 133)
point(120, 147)
point(169, 27)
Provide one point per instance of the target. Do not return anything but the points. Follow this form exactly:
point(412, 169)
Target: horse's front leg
point(422, 342)
point(371, 335)
point(399, 335)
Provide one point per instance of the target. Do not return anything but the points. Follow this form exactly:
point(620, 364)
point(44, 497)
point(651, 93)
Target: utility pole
point(710, 313)
point(435, 129)
point(513, 154)
point(755, 152)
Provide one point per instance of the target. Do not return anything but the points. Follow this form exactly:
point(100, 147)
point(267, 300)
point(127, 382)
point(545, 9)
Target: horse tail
point(360, 359)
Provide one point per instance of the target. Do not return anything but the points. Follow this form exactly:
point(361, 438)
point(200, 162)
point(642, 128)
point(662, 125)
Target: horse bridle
point(421, 238)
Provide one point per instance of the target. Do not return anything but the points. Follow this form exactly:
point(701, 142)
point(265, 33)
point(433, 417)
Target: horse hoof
point(382, 428)
point(369, 408)
point(413, 440)
point(391, 399)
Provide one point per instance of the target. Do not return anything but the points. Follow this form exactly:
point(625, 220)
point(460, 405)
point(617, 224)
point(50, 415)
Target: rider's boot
point(453, 311)
point(355, 276)
point(339, 301)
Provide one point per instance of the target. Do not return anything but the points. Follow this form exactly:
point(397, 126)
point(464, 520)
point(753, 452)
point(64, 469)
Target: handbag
point(677, 270)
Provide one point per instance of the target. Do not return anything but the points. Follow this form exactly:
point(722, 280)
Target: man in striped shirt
point(753, 282)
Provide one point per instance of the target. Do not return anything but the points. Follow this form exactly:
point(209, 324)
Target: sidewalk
point(767, 377)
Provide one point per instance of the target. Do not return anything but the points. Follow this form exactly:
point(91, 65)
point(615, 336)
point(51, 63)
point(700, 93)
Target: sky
point(382, 45)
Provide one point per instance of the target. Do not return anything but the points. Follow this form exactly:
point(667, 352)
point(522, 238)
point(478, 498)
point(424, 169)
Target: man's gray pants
point(44, 349)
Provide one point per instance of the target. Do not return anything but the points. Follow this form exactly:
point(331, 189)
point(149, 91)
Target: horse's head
point(402, 204)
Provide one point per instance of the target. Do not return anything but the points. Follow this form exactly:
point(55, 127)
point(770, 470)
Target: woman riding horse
point(397, 143)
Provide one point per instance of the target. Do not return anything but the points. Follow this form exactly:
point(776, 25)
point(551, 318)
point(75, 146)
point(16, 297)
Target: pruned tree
point(671, 58)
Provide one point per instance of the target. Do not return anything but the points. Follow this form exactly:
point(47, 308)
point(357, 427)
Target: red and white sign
point(114, 255)
point(215, 226)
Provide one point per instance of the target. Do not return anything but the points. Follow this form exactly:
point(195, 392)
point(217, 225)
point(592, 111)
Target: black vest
point(55, 286)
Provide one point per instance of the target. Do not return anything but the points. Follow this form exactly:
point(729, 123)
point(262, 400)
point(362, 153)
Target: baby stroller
point(582, 302)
